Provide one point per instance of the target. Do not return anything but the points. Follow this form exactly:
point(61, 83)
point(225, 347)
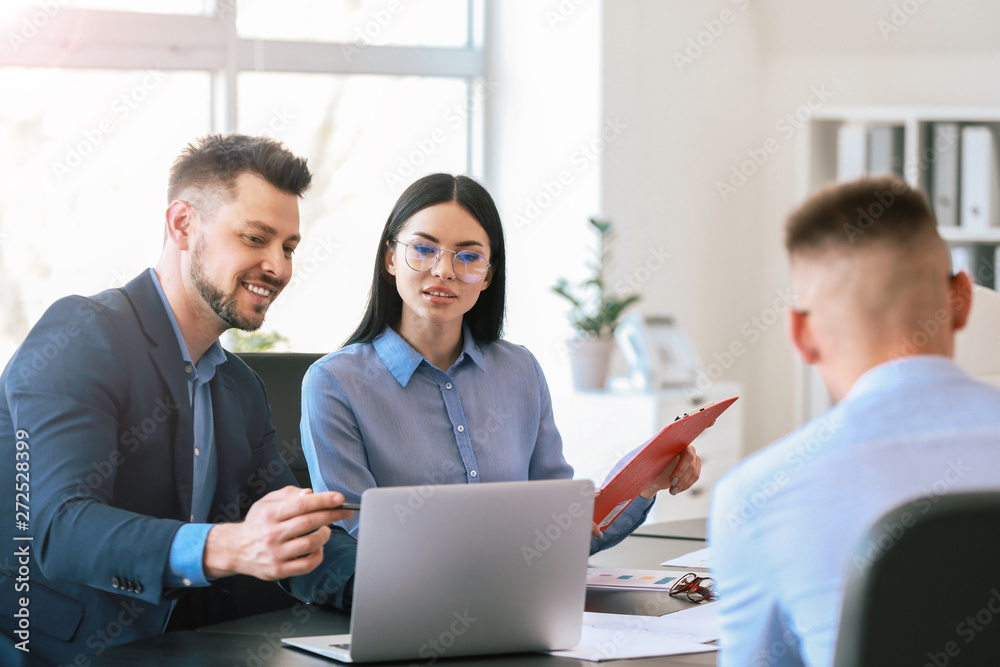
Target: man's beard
point(224, 306)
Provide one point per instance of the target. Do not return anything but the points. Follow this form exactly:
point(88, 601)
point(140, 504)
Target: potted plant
point(254, 341)
point(594, 315)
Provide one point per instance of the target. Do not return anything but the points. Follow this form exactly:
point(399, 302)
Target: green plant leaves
point(595, 313)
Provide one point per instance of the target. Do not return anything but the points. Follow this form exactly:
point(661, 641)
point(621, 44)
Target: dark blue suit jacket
point(95, 416)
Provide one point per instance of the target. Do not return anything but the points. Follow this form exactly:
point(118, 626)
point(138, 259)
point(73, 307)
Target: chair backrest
point(282, 373)
point(924, 586)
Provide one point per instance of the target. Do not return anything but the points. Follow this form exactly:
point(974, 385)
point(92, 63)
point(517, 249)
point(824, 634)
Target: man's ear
point(180, 217)
point(960, 300)
point(801, 334)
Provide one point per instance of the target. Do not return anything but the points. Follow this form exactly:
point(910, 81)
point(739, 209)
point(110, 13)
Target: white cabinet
point(598, 428)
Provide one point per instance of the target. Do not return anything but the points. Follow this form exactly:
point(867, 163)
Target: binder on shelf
point(852, 151)
point(996, 263)
point(980, 178)
point(961, 258)
point(984, 268)
point(979, 260)
point(885, 149)
point(944, 173)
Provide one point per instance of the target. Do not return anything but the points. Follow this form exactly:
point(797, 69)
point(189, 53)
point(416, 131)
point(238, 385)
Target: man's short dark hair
point(213, 162)
point(882, 209)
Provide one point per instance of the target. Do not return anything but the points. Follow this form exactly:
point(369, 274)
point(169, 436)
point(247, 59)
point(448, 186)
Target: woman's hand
point(678, 475)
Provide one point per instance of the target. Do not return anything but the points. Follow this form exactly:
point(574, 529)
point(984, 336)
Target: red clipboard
point(651, 459)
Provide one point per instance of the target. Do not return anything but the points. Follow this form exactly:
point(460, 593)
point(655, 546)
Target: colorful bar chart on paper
point(598, 577)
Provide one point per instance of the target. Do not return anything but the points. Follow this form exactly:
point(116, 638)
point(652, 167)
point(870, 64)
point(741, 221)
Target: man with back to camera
point(137, 441)
point(877, 311)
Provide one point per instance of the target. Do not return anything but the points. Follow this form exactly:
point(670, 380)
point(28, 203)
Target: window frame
point(125, 40)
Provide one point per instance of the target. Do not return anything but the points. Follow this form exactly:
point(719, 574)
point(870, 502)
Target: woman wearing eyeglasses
point(425, 391)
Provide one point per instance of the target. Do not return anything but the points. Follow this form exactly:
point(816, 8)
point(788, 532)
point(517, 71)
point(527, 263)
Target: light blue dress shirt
point(184, 566)
point(379, 414)
point(785, 522)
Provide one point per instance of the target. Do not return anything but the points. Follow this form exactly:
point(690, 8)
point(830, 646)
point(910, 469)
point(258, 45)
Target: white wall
point(689, 125)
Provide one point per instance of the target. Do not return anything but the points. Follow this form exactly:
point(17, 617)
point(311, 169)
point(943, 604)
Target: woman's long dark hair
point(385, 306)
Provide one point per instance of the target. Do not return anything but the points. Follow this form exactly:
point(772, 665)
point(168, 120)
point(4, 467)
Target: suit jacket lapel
point(231, 449)
point(169, 362)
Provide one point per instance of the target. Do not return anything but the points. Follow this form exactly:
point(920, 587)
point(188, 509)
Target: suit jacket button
point(115, 582)
point(138, 587)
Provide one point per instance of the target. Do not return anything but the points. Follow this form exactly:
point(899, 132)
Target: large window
point(203, 7)
point(367, 138)
point(82, 179)
point(399, 23)
point(100, 96)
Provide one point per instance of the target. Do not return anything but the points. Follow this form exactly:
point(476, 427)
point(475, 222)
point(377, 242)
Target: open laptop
point(460, 569)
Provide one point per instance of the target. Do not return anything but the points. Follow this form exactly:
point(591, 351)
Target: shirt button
point(192, 518)
point(188, 369)
point(448, 386)
point(187, 582)
point(472, 474)
point(461, 429)
point(197, 452)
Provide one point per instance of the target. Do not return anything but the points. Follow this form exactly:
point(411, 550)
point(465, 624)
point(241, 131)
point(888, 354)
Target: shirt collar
point(213, 356)
point(905, 371)
point(403, 361)
point(470, 348)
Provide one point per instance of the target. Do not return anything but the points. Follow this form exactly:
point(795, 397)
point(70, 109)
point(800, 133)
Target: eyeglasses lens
point(683, 583)
point(701, 590)
point(421, 256)
point(470, 267)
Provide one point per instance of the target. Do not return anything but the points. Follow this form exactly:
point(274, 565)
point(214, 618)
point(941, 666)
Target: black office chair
point(240, 596)
point(282, 373)
point(924, 586)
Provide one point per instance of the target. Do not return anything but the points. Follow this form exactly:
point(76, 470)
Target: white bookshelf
point(818, 162)
point(959, 235)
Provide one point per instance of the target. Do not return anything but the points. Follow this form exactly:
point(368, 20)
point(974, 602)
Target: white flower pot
point(590, 359)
